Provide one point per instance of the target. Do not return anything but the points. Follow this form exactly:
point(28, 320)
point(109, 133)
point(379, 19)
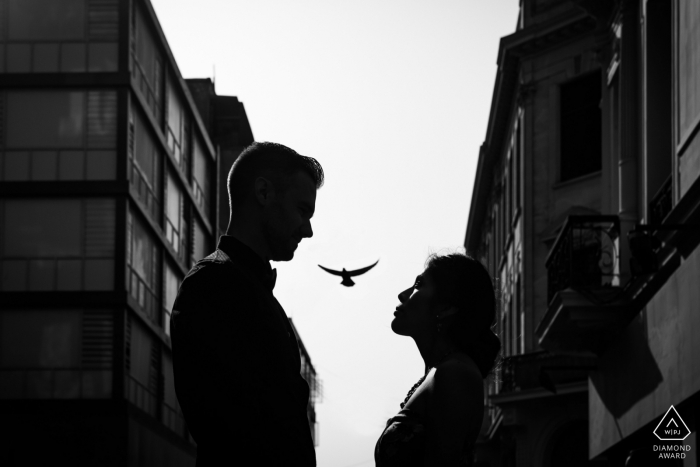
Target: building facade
point(585, 208)
point(109, 192)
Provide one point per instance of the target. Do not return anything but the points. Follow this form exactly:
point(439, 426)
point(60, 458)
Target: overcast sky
point(392, 98)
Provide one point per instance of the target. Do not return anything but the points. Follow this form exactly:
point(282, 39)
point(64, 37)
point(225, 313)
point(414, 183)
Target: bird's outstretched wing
point(357, 272)
point(335, 273)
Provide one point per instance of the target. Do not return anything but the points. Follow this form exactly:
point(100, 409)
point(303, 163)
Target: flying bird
point(346, 275)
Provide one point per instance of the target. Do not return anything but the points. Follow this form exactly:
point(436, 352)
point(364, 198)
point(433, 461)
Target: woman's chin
point(397, 328)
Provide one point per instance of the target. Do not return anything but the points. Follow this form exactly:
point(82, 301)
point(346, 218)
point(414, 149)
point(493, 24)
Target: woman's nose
point(403, 296)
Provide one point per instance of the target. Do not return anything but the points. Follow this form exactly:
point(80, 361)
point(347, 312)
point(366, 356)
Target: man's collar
point(241, 253)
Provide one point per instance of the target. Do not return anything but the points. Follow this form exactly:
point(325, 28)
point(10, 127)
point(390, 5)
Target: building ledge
point(539, 393)
point(574, 322)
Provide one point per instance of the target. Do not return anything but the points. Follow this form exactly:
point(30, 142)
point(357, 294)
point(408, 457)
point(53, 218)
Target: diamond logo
point(671, 427)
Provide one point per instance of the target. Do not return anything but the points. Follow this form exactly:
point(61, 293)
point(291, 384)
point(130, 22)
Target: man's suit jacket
point(237, 366)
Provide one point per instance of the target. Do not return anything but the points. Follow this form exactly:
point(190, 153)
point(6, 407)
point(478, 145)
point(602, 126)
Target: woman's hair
point(463, 282)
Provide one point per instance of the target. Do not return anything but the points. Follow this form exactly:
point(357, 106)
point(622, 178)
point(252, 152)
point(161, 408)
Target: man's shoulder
point(212, 270)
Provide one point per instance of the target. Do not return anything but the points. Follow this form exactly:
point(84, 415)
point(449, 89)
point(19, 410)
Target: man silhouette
point(235, 356)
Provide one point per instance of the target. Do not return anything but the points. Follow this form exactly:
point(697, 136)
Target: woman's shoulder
point(456, 374)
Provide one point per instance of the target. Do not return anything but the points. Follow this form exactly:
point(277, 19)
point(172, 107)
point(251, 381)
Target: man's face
point(288, 217)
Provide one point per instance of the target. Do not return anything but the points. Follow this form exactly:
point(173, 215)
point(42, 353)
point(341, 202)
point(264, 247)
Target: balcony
point(535, 375)
point(542, 370)
point(584, 294)
point(585, 255)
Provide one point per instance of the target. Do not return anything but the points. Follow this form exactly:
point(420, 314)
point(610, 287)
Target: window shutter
point(100, 228)
point(103, 20)
point(98, 331)
point(102, 119)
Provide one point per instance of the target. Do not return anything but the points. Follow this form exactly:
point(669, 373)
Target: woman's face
point(416, 313)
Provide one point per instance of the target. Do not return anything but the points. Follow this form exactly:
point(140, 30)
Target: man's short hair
point(274, 161)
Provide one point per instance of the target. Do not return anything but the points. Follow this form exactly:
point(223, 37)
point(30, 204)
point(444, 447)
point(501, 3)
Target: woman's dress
point(403, 442)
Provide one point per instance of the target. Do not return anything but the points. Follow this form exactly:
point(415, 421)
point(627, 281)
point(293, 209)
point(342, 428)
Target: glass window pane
point(99, 274)
point(101, 165)
point(142, 256)
point(174, 200)
point(200, 242)
point(66, 384)
point(14, 275)
point(103, 57)
point(41, 274)
point(140, 353)
point(200, 170)
point(144, 149)
point(174, 112)
point(11, 384)
point(38, 384)
point(44, 165)
point(45, 58)
point(41, 228)
point(18, 58)
point(73, 58)
point(40, 339)
point(169, 396)
point(46, 19)
point(49, 119)
point(16, 166)
point(69, 274)
point(97, 384)
point(70, 165)
point(166, 322)
point(172, 283)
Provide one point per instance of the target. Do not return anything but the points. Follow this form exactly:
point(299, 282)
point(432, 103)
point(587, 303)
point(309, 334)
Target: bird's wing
point(335, 273)
point(357, 272)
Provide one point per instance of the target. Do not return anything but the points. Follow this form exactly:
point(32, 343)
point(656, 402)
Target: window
point(178, 126)
point(200, 246)
point(172, 414)
point(174, 216)
point(200, 176)
point(57, 244)
point(581, 127)
point(55, 354)
point(516, 170)
point(144, 164)
point(142, 267)
point(59, 135)
point(60, 36)
point(142, 380)
point(148, 64)
point(172, 284)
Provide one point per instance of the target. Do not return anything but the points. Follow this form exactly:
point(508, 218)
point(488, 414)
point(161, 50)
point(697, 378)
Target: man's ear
point(264, 191)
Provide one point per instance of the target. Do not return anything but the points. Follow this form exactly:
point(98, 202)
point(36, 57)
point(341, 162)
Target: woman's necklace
point(420, 381)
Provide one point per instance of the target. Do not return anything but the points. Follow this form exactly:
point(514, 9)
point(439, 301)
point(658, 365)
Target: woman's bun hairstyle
point(463, 282)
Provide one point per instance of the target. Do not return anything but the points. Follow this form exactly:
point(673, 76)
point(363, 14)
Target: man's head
point(272, 195)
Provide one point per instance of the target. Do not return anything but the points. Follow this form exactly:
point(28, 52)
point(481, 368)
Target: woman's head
point(454, 297)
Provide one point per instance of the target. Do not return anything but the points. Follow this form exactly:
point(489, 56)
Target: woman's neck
point(434, 349)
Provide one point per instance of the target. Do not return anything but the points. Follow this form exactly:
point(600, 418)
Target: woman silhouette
point(448, 312)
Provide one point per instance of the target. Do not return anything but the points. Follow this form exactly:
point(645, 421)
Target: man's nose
point(306, 230)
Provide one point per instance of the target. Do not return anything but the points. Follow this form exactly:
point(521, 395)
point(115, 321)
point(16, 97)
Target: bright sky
point(392, 97)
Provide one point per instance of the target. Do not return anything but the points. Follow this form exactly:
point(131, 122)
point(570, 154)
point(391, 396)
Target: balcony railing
point(586, 255)
point(662, 203)
point(542, 369)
